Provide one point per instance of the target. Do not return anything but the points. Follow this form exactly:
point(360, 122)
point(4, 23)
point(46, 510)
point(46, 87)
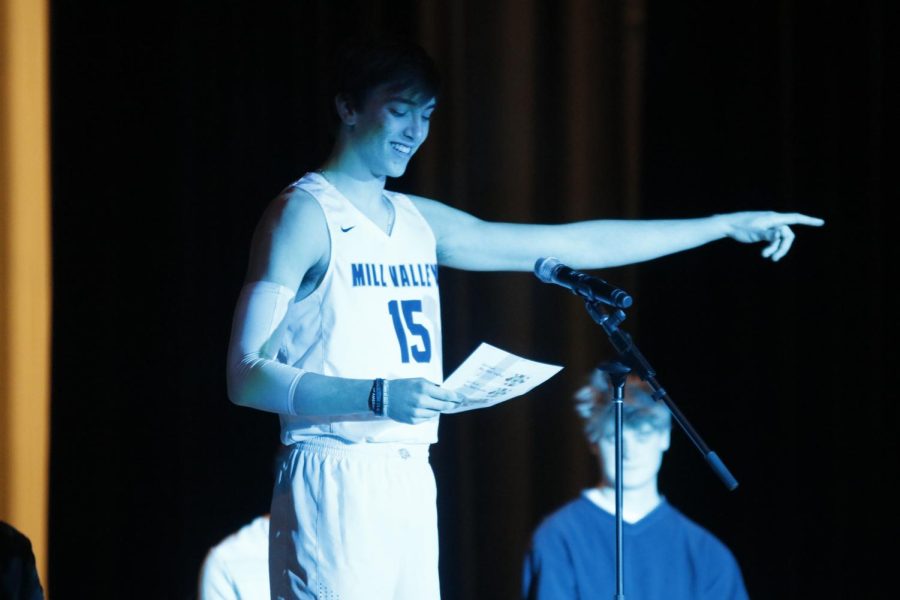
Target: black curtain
point(174, 124)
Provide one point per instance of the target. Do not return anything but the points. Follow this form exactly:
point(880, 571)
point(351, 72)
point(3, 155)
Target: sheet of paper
point(491, 375)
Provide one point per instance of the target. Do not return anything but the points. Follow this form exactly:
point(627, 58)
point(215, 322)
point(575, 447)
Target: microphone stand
point(618, 373)
point(634, 361)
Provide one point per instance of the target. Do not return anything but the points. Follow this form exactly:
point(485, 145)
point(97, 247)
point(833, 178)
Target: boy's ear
point(345, 109)
point(666, 440)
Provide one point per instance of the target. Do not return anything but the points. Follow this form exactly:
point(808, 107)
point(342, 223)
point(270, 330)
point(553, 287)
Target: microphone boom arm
point(633, 358)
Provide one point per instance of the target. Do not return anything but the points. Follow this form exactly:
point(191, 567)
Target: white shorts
point(354, 522)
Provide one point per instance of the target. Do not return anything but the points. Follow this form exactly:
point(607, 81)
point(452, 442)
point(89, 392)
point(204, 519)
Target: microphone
point(594, 289)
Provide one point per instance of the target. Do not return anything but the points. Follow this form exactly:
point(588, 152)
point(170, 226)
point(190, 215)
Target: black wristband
point(376, 397)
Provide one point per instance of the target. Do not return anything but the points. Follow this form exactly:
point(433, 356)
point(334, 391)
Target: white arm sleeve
point(255, 378)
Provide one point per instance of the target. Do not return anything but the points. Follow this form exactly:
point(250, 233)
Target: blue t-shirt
point(667, 557)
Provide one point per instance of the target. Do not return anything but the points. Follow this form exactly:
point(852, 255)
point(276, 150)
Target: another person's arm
point(466, 242)
point(547, 572)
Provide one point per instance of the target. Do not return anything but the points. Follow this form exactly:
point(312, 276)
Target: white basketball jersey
point(376, 313)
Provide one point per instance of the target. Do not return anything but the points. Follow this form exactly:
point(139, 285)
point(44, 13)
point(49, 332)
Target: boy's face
point(642, 452)
point(388, 130)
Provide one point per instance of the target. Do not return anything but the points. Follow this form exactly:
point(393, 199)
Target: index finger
point(801, 219)
point(440, 393)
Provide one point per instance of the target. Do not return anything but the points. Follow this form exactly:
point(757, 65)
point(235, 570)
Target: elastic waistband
point(382, 450)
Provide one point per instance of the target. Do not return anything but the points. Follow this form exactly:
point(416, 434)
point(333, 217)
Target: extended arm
point(466, 242)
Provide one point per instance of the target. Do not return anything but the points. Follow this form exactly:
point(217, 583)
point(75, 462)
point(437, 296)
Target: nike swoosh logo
point(346, 229)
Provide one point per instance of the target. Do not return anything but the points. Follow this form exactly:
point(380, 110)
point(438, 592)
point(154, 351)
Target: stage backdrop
point(173, 126)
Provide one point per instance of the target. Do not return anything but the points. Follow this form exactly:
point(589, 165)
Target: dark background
point(174, 123)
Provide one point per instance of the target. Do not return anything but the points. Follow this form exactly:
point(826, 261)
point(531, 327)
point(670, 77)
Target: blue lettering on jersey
point(402, 275)
point(375, 281)
point(406, 320)
point(357, 271)
point(421, 277)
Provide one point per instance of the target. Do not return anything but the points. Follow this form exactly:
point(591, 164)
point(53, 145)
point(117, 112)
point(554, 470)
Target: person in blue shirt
point(667, 556)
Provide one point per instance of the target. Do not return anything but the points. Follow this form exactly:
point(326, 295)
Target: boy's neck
point(357, 185)
point(637, 503)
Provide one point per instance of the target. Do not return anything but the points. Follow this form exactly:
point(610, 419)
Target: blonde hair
point(593, 403)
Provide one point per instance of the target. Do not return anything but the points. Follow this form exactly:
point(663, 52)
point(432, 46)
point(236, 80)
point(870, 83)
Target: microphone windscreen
point(544, 268)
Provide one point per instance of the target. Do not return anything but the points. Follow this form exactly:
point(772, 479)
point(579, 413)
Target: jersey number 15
point(402, 314)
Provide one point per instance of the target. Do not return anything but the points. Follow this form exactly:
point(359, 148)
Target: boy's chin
point(397, 171)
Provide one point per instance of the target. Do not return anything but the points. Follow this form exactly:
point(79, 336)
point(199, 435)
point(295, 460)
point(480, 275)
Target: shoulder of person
point(425, 204)
point(441, 215)
point(291, 237)
point(567, 518)
point(293, 207)
point(294, 218)
point(704, 539)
